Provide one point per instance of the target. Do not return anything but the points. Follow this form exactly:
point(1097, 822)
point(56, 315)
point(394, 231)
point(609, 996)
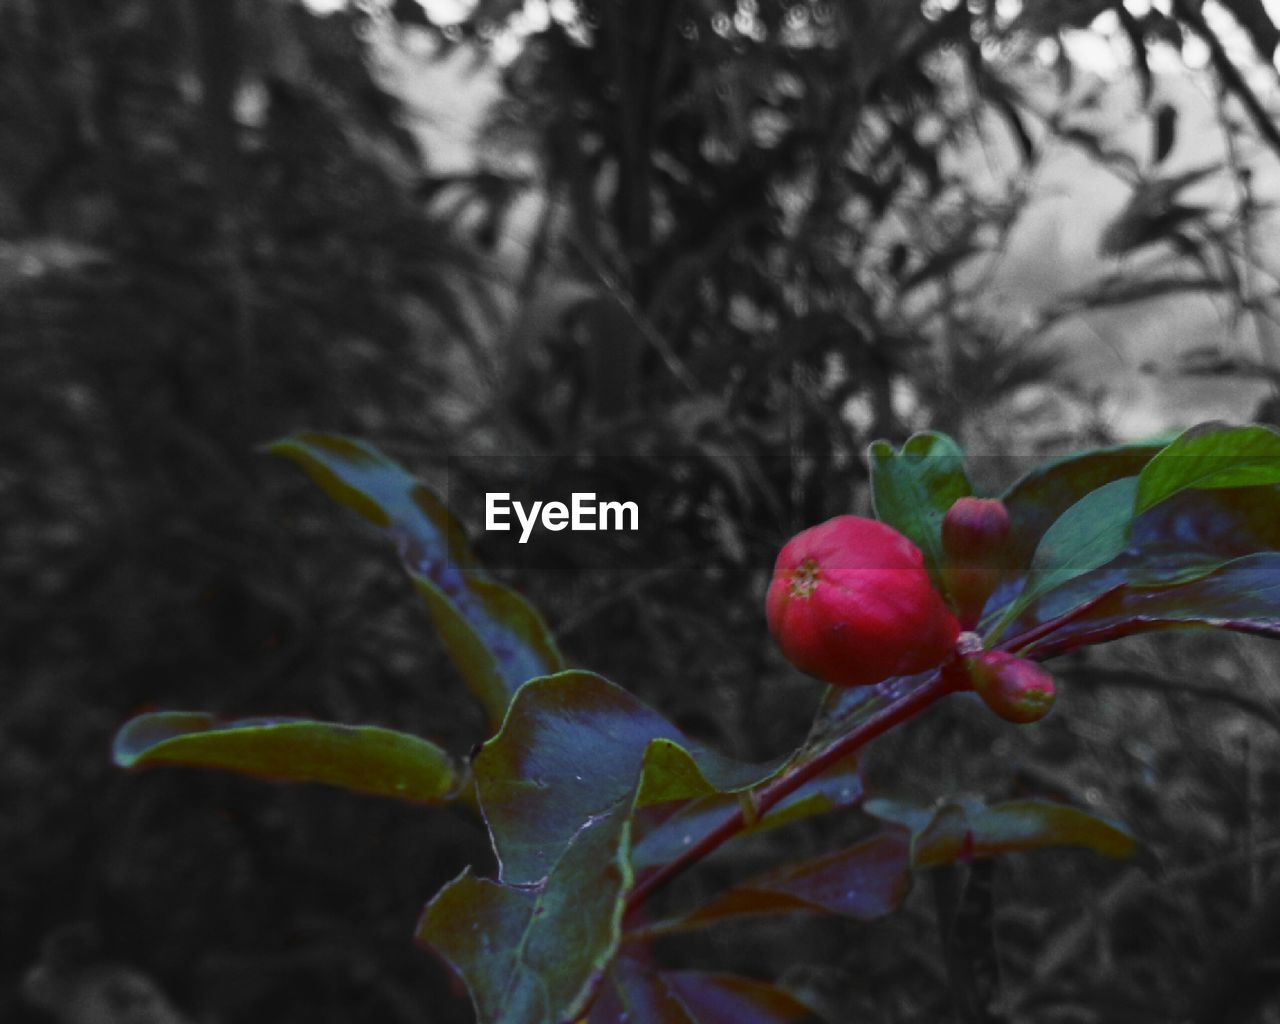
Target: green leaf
point(1243, 595)
point(574, 746)
point(635, 990)
point(534, 954)
point(865, 882)
point(1085, 537)
point(497, 640)
point(1036, 500)
point(1188, 536)
point(574, 761)
point(838, 787)
point(363, 759)
point(722, 998)
point(912, 490)
point(493, 635)
point(961, 830)
point(1211, 456)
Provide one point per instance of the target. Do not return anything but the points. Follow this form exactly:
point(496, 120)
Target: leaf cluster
point(584, 789)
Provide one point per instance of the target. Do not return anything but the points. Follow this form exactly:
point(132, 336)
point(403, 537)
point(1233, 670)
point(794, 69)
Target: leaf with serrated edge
point(363, 759)
point(1211, 456)
point(912, 490)
point(497, 639)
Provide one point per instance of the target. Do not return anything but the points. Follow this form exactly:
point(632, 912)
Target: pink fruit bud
point(1014, 688)
point(852, 603)
point(974, 533)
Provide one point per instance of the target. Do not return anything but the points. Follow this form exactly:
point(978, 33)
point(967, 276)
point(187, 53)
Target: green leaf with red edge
point(534, 954)
point(574, 746)
point(497, 640)
point(666, 835)
point(911, 490)
point(1196, 531)
point(363, 759)
point(1242, 595)
point(635, 991)
point(1184, 538)
point(1211, 455)
point(1035, 501)
point(1202, 500)
point(1088, 535)
point(1038, 499)
point(959, 830)
point(865, 881)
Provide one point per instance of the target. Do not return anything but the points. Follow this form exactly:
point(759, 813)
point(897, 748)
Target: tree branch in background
point(1231, 77)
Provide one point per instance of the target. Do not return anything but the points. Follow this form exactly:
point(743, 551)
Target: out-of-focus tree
point(755, 234)
point(210, 238)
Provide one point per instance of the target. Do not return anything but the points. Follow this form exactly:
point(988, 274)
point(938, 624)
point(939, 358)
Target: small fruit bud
point(1014, 688)
point(852, 603)
point(974, 533)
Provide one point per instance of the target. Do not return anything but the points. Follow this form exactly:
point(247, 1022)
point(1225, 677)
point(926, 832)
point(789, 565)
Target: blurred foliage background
point(733, 241)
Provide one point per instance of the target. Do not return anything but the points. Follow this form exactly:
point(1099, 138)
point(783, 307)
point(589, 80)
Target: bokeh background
point(713, 247)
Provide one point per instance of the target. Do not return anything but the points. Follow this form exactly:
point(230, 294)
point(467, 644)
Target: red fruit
point(974, 533)
point(852, 603)
point(1014, 688)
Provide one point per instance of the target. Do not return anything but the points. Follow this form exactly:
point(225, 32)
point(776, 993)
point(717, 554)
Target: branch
point(768, 796)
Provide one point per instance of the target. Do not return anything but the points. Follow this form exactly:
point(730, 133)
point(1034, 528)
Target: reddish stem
point(893, 714)
point(780, 788)
point(1038, 632)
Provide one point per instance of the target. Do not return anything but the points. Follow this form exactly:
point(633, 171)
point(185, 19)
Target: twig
point(1231, 77)
point(651, 334)
point(768, 796)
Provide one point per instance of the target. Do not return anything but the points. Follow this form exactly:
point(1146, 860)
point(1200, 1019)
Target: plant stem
point(886, 718)
point(770, 795)
point(1036, 633)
